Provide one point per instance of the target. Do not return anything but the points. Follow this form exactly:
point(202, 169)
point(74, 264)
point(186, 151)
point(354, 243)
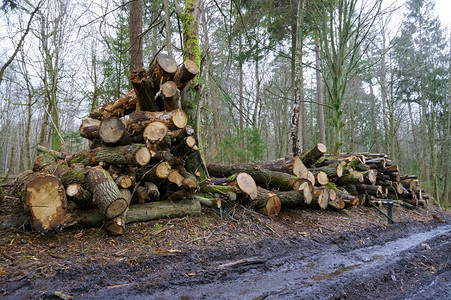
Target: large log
point(176, 119)
point(45, 198)
point(143, 87)
point(263, 177)
point(187, 71)
point(116, 226)
point(155, 132)
point(132, 155)
point(106, 194)
point(119, 108)
point(310, 157)
point(112, 132)
point(352, 178)
point(293, 166)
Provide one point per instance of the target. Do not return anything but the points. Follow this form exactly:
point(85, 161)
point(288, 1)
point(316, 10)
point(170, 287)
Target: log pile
point(133, 161)
point(318, 180)
point(144, 163)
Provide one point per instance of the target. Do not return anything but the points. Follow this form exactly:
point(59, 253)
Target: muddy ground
point(237, 254)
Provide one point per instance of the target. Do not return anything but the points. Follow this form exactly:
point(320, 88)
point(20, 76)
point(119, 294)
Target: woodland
point(275, 77)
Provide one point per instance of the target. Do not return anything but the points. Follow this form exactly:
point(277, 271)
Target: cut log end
point(179, 118)
point(143, 156)
point(247, 184)
point(273, 206)
point(116, 208)
point(46, 198)
point(155, 132)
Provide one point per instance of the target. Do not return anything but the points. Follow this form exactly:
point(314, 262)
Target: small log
point(157, 173)
point(352, 178)
point(370, 176)
point(311, 177)
point(133, 155)
point(54, 153)
point(89, 128)
point(44, 196)
point(112, 132)
point(124, 181)
point(187, 71)
point(142, 194)
point(292, 199)
point(170, 95)
point(321, 177)
point(77, 194)
point(321, 197)
point(143, 87)
point(176, 119)
point(267, 203)
point(185, 148)
point(337, 203)
point(179, 135)
point(333, 171)
point(152, 191)
point(310, 157)
point(176, 178)
point(155, 132)
point(373, 190)
point(162, 70)
point(105, 192)
point(190, 184)
point(119, 108)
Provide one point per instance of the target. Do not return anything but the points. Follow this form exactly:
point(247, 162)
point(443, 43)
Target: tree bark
point(105, 193)
point(118, 108)
point(135, 26)
point(310, 157)
point(176, 119)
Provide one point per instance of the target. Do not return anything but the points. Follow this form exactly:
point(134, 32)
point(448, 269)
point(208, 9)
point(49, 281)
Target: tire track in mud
point(403, 260)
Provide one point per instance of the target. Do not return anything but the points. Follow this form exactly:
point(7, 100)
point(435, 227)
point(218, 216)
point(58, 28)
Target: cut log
point(77, 194)
point(370, 176)
point(292, 199)
point(157, 173)
point(105, 193)
point(89, 128)
point(267, 203)
point(185, 148)
point(133, 155)
point(170, 95)
point(352, 178)
point(179, 135)
point(112, 132)
point(265, 178)
point(373, 190)
point(321, 197)
point(176, 119)
point(310, 157)
point(155, 132)
point(162, 70)
point(143, 87)
point(293, 166)
point(246, 184)
point(116, 226)
point(124, 181)
point(321, 177)
point(119, 108)
point(333, 171)
point(52, 152)
point(44, 196)
point(176, 178)
point(187, 71)
point(152, 191)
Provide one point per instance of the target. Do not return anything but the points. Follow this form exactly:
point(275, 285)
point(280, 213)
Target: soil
point(236, 253)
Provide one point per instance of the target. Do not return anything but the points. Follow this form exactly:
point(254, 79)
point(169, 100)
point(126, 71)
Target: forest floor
point(236, 253)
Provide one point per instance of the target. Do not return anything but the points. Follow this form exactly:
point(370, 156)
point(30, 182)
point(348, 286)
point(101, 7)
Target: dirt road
point(400, 261)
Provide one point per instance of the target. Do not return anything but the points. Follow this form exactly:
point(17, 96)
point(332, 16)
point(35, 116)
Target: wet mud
point(406, 260)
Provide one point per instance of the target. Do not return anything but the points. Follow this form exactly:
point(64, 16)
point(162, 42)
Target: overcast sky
point(443, 9)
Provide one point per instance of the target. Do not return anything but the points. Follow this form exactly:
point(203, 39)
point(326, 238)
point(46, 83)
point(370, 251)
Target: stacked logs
point(318, 180)
point(132, 162)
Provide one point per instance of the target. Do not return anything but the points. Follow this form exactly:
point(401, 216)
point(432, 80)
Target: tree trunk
point(144, 91)
point(135, 26)
point(319, 95)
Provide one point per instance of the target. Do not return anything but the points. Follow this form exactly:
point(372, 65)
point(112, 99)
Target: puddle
point(335, 273)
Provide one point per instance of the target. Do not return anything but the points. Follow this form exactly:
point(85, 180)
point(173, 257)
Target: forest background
point(276, 77)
